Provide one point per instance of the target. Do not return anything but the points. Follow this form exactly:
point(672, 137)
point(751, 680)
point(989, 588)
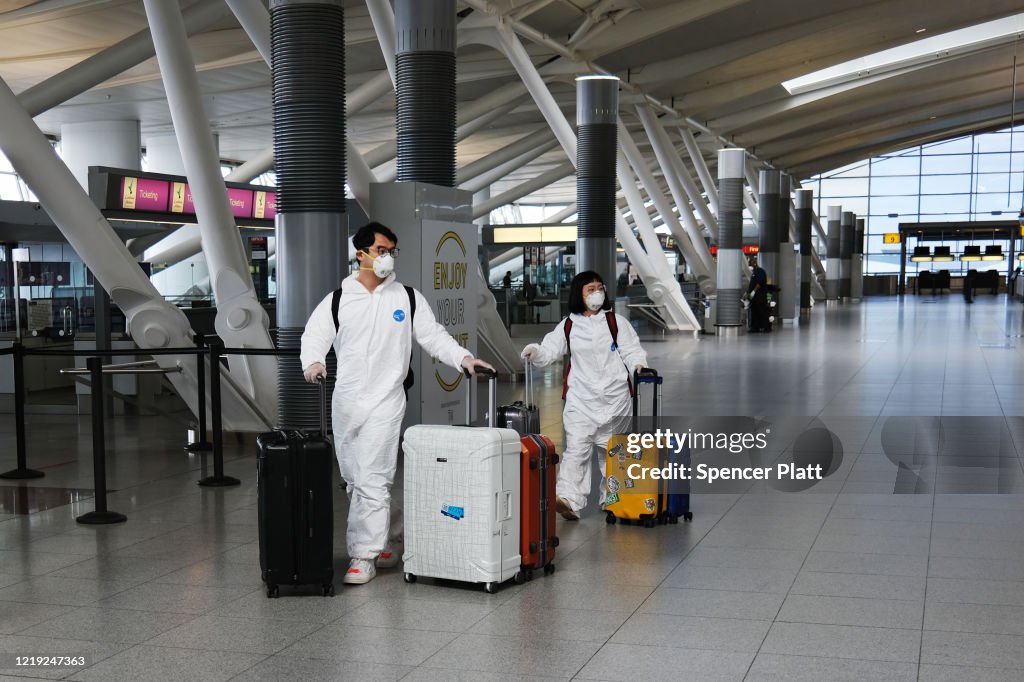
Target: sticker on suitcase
point(453, 512)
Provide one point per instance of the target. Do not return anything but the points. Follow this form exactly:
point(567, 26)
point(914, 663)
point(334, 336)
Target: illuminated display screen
point(132, 195)
point(537, 234)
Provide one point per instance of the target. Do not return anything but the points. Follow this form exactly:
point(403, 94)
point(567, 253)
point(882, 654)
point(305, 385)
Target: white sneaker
point(390, 557)
point(360, 571)
point(563, 507)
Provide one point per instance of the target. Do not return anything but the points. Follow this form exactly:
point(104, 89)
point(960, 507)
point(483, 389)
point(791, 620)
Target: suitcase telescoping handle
point(322, 383)
point(492, 395)
point(528, 374)
point(647, 375)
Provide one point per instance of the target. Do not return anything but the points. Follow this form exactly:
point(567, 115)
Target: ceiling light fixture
point(922, 254)
point(972, 252)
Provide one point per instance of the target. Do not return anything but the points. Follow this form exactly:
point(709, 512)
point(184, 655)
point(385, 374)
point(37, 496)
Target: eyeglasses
point(380, 251)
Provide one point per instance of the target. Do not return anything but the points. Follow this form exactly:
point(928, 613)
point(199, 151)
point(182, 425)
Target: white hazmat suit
point(598, 404)
point(372, 344)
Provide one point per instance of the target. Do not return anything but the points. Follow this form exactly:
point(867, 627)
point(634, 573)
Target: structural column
point(768, 224)
point(597, 107)
point(832, 254)
point(857, 264)
point(101, 143)
point(730, 237)
point(787, 279)
point(309, 146)
point(847, 227)
point(804, 207)
point(425, 91)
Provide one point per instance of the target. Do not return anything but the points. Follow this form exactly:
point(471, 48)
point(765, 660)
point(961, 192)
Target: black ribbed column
point(308, 74)
point(804, 206)
point(847, 228)
point(730, 236)
point(768, 224)
point(425, 112)
point(597, 110)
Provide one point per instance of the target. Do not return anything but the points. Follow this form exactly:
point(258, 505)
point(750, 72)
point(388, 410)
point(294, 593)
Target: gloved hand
point(470, 364)
point(531, 352)
point(313, 371)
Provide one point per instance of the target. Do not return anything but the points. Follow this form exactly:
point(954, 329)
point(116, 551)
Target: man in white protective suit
point(603, 350)
point(377, 320)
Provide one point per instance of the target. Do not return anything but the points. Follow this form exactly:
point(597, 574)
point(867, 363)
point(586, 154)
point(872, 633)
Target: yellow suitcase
point(635, 498)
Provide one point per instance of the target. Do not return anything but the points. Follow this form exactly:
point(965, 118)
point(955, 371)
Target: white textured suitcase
point(462, 504)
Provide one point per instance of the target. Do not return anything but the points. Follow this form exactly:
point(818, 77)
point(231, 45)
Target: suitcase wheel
point(490, 588)
point(519, 578)
point(529, 573)
point(329, 590)
point(610, 518)
point(273, 592)
point(649, 523)
point(688, 516)
point(410, 577)
point(673, 519)
point(549, 569)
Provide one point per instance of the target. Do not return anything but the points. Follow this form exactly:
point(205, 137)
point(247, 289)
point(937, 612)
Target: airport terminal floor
point(906, 562)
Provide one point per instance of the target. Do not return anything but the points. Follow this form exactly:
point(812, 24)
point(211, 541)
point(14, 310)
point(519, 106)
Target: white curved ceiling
point(719, 63)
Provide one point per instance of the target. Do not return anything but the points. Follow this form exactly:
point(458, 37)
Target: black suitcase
point(522, 416)
point(296, 511)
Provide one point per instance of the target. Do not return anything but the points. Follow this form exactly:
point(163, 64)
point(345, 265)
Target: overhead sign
point(155, 197)
point(530, 234)
point(892, 238)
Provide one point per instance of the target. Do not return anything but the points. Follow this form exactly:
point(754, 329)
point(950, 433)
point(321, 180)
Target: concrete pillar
point(101, 143)
point(730, 238)
point(832, 268)
point(857, 264)
point(787, 277)
point(847, 228)
point(768, 223)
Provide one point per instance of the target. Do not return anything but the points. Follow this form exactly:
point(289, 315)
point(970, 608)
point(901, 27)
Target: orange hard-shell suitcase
point(537, 530)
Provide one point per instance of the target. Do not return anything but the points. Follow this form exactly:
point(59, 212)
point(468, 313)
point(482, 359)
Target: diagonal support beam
point(241, 320)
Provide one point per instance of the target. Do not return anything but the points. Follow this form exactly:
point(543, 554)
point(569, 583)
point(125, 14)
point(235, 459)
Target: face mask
point(383, 265)
point(595, 300)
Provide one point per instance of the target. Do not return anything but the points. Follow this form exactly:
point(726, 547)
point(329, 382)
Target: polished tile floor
point(907, 562)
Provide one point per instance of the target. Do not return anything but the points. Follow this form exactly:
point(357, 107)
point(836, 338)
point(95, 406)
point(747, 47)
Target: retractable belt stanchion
point(22, 471)
point(218, 479)
point(101, 514)
point(201, 445)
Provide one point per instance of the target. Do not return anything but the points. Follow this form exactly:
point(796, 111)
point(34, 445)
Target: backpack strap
point(613, 327)
point(567, 327)
point(335, 302)
point(410, 378)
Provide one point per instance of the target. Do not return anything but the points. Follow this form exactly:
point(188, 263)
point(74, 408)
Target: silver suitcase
point(462, 503)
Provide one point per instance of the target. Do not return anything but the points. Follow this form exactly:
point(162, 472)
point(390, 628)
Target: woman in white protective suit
point(603, 350)
point(377, 320)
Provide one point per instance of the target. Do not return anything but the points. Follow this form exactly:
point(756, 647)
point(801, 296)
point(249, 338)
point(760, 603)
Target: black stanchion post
point(99, 451)
point(201, 445)
point(218, 479)
point(22, 471)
